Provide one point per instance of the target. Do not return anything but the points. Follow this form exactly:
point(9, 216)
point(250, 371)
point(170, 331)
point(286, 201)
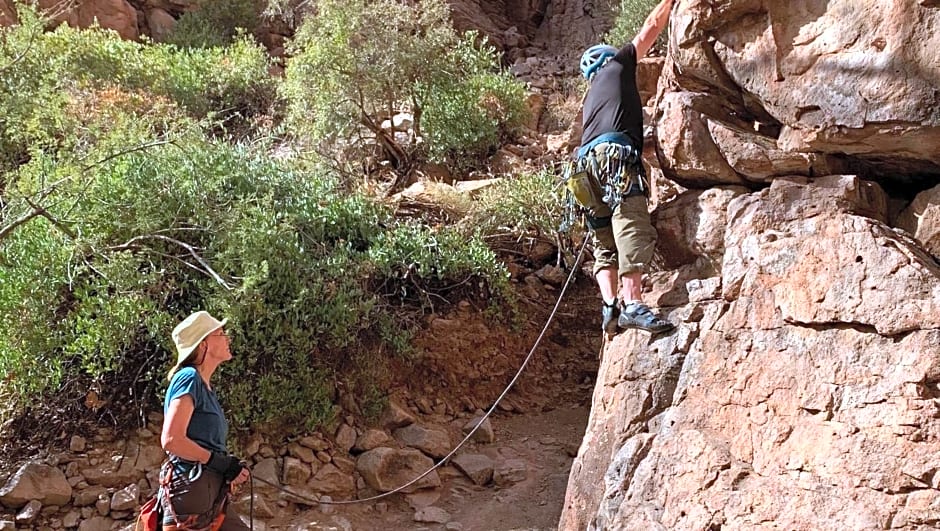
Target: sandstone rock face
point(823, 87)
point(117, 15)
point(7, 13)
point(922, 220)
point(160, 23)
point(558, 29)
point(693, 225)
point(806, 397)
point(507, 23)
point(128, 19)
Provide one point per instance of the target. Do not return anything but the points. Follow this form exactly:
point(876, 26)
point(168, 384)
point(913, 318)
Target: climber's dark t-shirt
point(613, 101)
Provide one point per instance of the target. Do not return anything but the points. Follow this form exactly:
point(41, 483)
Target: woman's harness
point(607, 170)
point(151, 516)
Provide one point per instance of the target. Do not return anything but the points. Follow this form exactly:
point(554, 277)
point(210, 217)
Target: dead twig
point(39, 210)
point(5, 231)
point(131, 244)
point(139, 147)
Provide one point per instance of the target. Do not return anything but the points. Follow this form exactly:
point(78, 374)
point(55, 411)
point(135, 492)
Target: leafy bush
point(527, 204)
point(155, 233)
point(32, 266)
point(468, 119)
point(358, 63)
point(443, 258)
point(44, 73)
point(214, 23)
point(629, 19)
point(231, 79)
point(31, 95)
point(120, 215)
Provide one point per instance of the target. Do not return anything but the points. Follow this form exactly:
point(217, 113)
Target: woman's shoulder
point(185, 377)
point(186, 381)
point(185, 373)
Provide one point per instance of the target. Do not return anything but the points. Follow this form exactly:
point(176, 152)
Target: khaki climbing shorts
point(627, 243)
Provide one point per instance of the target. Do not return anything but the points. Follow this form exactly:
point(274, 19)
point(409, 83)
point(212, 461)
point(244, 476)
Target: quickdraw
point(599, 179)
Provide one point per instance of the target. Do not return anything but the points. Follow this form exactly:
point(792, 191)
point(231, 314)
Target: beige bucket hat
point(188, 334)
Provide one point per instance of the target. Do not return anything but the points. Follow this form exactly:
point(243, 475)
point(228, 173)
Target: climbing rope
point(485, 416)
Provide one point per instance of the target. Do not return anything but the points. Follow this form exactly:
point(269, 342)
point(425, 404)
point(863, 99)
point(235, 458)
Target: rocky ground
point(535, 451)
point(519, 478)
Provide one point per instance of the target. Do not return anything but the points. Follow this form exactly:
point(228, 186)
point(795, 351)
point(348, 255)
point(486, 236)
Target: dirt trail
point(544, 441)
point(534, 446)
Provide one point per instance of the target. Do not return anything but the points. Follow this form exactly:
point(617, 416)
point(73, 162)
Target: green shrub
point(226, 80)
point(288, 256)
point(31, 92)
point(466, 119)
point(527, 204)
point(51, 82)
point(214, 23)
point(145, 218)
point(33, 265)
point(443, 259)
point(357, 63)
point(629, 19)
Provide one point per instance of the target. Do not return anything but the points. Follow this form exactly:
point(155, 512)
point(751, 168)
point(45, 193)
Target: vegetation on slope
point(140, 182)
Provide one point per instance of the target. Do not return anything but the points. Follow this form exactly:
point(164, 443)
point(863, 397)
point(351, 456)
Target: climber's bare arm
point(654, 25)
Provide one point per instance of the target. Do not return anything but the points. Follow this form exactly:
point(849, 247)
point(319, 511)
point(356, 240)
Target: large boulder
point(435, 442)
point(117, 15)
point(386, 469)
point(331, 480)
point(36, 481)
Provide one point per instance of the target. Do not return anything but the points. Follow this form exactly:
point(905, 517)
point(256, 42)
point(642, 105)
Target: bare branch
point(5, 231)
point(55, 222)
point(192, 251)
point(136, 148)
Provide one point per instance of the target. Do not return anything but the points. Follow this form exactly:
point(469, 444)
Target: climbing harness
point(151, 514)
point(608, 169)
point(479, 423)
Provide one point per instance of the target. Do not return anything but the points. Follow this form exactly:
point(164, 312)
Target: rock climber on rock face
point(610, 160)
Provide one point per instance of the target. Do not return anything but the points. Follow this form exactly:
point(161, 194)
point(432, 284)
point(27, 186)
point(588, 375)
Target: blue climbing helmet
point(594, 58)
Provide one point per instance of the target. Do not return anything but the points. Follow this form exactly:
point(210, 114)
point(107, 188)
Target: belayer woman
point(199, 475)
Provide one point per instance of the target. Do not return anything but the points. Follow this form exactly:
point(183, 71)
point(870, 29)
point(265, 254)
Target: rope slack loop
point(485, 416)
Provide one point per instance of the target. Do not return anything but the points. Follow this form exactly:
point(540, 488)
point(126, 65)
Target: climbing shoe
point(610, 313)
point(639, 315)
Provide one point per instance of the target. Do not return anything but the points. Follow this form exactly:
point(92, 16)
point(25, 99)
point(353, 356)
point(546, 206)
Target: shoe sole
point(653, 331)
